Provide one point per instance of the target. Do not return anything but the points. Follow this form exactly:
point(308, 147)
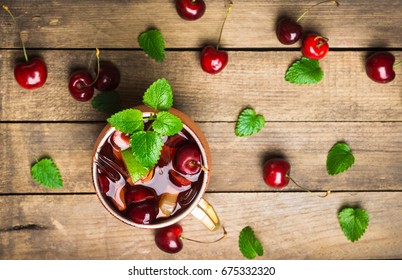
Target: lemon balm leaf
point(134, 167)
point(249, 245)
point(146, 146)
point(153, 44)
point(249, 123)
point(167, 124)
point(304, 71)
point(46, 173)
point(353, 222)
point(159, 95)
point(127, 121)
point(339, 159)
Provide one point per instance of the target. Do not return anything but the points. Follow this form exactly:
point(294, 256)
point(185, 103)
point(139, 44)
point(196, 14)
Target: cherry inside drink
point(165, 191)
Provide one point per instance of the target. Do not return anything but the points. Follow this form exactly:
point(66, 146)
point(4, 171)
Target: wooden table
point(303, 122)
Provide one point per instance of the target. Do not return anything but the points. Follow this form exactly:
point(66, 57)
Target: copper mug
point(199, 207)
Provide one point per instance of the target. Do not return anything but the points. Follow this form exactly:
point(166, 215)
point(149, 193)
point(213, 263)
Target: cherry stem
point(306, 189)
point(205, 242)
point(322, 2)
point(98, 68)
point(203, 168)
point(398, 63)
point(5, 7)
point(322, 43)
point(223, 24)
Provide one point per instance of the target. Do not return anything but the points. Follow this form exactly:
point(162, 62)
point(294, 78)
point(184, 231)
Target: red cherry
point(31, 74)
point(379, 67)
point(275, 172)
point(212, 60)
point(121, 140)
point(143, 212)
point(168, 239)
point(80, 85)
point(288, 31)
point(138, 193)
point(108, 78)
point(103, 183)
point(314, 46)
point(188, 159)
point(190, 9)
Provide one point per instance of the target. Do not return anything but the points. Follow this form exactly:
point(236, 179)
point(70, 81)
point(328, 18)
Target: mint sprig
point(304, 71)
point(339, 159)
point(249, 123)
point(153, 44)
point(249, 245)
point(146, 144)
point(46, 173)
point(353, 222)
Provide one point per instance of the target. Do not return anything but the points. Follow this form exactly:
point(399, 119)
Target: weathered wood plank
point(251, 79)
point(236, 161)
point(290, 226)
point(86, 24)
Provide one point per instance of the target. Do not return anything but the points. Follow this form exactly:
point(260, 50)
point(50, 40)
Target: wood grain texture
point(345, 93)
point(251, 24)
point(290, 226)
point(236, 162)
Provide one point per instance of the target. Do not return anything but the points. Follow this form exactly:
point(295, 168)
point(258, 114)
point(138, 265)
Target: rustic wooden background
point(303, 122)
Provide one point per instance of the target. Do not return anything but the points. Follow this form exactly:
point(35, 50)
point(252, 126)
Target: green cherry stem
point(224, 234)
point(223, 24)
point(397, 64)
point(307, 190)
point(5, 7)
point(322, 2)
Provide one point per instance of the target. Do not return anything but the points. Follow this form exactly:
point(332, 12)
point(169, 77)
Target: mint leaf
point(249, 246)
point(167, 124)
point(135, 169)
point(106, 102)
point(153, 44)
point(339, 159)
point(249, 123)
point(46, 173)
point(304, 71)
point(353, 222)
point(146, 146)
point(127, 121)
point(159, 95)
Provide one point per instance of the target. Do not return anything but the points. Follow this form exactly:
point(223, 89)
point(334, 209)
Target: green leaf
point(106, 102)
point(46, 173)
point(249, 123)
point(339, 159)
point(153, 44)
point(136, 170)
point(146, 146)
point(159, 95)
point(249, 246)
point(127, 121)
point(304, 71)
point(167, 124)
point(353, 222)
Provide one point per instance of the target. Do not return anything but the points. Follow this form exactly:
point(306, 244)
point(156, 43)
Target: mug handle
point(206, 214)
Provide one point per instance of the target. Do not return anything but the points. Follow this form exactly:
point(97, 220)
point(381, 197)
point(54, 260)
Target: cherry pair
point(289, 32)
point(82, 86)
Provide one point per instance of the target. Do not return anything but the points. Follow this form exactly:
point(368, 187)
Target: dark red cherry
point(109, 77)
point(190, 9)
point(288, 31)
point(103, 183)
point(212, 60)
point(187, 159)
point(314, 46)
point(121, 140)
point(80, 85)
point(379, 67)
point(31, 74)
point(168, 239)
point(144, 212)
point(275, 172)
point(138, 193)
